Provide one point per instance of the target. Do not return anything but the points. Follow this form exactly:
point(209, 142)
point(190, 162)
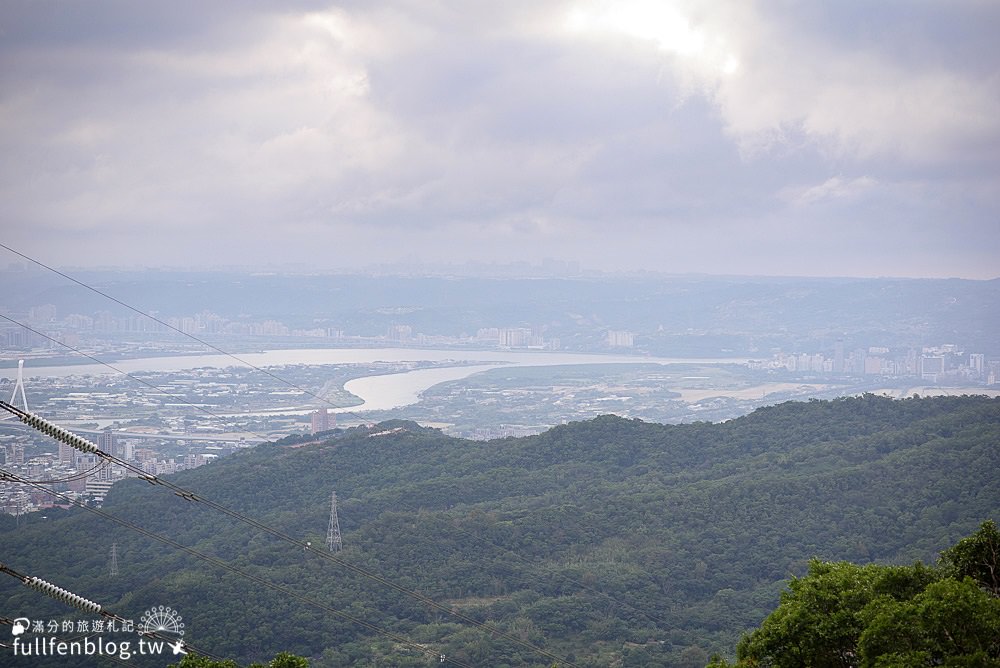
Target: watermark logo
point(160, 630)
point(21, 624)
point(162, 620)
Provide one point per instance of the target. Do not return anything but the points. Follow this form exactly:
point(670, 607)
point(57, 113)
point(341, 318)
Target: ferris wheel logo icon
point(161, 619)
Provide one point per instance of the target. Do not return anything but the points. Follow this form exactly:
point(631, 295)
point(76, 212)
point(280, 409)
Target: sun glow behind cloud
point(661, 25)
point(604, 130)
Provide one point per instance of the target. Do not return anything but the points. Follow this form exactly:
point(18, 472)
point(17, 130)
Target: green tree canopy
point(978, 557)
point(281, 660)
point(842, 615)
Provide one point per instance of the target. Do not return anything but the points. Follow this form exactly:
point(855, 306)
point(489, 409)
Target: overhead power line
point(83, 444)
point(137, 379)
point(86, 605)
point(191, 496)
point(182, 332)
point(249, 577)
point(76, 441)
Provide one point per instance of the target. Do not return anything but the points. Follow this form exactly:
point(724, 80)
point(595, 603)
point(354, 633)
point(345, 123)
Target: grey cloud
point(122, 24)
point(491, 132)
point(959, 35)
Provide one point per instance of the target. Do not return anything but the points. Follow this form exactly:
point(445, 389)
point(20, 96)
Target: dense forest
point(606, 542)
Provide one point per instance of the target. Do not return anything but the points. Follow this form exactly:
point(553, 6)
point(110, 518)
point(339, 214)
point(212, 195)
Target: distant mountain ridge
point(601, 541)
point(679, 315)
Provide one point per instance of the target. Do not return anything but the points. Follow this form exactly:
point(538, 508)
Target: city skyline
point(827, 139)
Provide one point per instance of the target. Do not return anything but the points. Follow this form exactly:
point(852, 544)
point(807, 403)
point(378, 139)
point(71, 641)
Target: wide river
point(378, 392)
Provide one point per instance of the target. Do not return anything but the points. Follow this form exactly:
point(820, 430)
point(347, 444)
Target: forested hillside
point(600, 542)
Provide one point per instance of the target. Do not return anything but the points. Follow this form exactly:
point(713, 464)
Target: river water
point(380, 392)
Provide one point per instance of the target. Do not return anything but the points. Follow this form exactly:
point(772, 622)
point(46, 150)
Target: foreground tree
point(950, 623)
point(281, 660)
point(977, 557)
point(841, 615)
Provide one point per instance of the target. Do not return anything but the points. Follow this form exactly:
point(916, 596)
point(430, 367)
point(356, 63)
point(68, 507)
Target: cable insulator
point(60, 434)
point(60, 594)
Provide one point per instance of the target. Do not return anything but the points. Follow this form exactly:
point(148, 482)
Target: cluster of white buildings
point(930, 364)
point(68, 330)
point(621, 339)
point(516, 337)
point(503, 431)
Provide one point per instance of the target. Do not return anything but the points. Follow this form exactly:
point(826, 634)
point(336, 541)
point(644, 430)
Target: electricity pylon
point(114, 560)
point(333, 542)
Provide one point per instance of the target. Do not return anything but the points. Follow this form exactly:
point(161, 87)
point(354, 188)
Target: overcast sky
point(834, 138)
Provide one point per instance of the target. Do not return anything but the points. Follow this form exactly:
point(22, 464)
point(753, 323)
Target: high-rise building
point(513, 337)
point(399, 333)
point(44, 313)
point(520, 337)
point(323, 420)
point(66, 453)
point(98, 488)
point(106, 442)
point(85, 462)
point(620, 339)
point(992, 372)
point(489, 334)
point(873, 365)
point(838, 357)
point(977, 364)
point(105, 472)
point(931, 367)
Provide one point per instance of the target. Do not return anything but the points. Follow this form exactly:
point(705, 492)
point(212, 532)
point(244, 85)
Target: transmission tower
point(333, 533)
point(114, 560)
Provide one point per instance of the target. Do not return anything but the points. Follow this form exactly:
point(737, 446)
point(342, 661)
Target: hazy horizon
point(511, 270)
